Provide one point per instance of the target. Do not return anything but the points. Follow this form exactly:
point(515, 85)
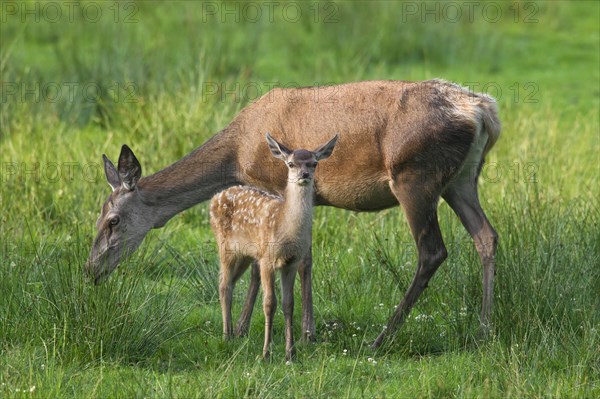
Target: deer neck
point(191, 180)
point(297, 210)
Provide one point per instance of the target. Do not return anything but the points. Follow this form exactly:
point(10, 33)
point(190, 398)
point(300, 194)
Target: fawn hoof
point(484, 332)
point(290, 355)
point(241, 331)
point(308, 336)
point(309, 332)
point(267, 356)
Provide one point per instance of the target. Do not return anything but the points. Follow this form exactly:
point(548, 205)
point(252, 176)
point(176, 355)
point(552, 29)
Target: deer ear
point(130, 169)
point(112, 176)
point(277, 149)
point(326, 150)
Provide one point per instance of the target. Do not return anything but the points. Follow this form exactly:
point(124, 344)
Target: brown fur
point(400, 142)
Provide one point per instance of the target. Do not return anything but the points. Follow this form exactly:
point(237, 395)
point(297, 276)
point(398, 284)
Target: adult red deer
point(404, 143)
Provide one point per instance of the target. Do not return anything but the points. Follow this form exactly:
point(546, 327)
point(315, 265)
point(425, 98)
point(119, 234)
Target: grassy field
point(79, 80)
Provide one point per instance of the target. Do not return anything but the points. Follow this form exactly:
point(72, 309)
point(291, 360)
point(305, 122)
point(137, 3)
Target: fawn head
point(301, 163)
point(121, 226)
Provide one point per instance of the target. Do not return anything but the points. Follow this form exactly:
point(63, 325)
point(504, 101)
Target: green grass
point(154, 330)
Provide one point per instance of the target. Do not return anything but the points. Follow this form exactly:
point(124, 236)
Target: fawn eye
point(114, 221)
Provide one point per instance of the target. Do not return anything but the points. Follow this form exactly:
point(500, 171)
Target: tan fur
point(248, 222)
point(251, 224)
point(406, 143)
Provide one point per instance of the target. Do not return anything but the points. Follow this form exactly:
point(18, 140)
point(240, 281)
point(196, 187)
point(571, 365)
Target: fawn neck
point(297, 210)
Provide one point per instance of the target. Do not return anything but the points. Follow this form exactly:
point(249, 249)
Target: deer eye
point(314, 165)
point(291, 164)
point(114, 221)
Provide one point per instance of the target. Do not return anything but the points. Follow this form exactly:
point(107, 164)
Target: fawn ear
point(112, 176)
point(326, 150)
point(130, 169)
point(277, 149)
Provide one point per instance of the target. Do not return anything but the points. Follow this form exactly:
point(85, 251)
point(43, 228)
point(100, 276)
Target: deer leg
point(243, 323)
point(232, 267)
point(308, 319)
point(464, 201)
point(288, 275)
point(269, 305)
point(421, 213)
point(225, 294)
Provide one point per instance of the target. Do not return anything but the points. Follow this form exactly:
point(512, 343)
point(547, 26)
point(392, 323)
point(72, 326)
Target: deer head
point(123, 221)
point(301, 164)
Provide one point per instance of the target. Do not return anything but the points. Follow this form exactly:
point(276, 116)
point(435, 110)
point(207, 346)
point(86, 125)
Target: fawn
point(251, 224)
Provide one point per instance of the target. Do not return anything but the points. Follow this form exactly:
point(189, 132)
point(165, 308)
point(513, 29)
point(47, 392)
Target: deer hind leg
point(288, 275)
point(232, 267)
point(421, 212)
point(269, 304)
point(308, 319)
point(243, 324)
point(464, 201)
point(226, 292)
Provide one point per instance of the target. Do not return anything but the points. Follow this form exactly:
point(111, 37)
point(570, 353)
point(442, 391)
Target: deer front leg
point(308, 319)
point(288, 275)
point(421, 214)
point(243, 324)
point(269, 306)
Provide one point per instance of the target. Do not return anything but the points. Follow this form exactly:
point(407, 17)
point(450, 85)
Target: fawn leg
point(269, 305)
point(243, 323)
point(232, 267)
point(225, 293)
point(288, 275)
point(308, 319)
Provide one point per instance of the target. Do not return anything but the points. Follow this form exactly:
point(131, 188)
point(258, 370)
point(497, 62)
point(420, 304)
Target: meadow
point(81, 79)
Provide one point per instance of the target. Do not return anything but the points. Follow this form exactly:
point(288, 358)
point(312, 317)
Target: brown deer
point(251, 224)
point(406, 143)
